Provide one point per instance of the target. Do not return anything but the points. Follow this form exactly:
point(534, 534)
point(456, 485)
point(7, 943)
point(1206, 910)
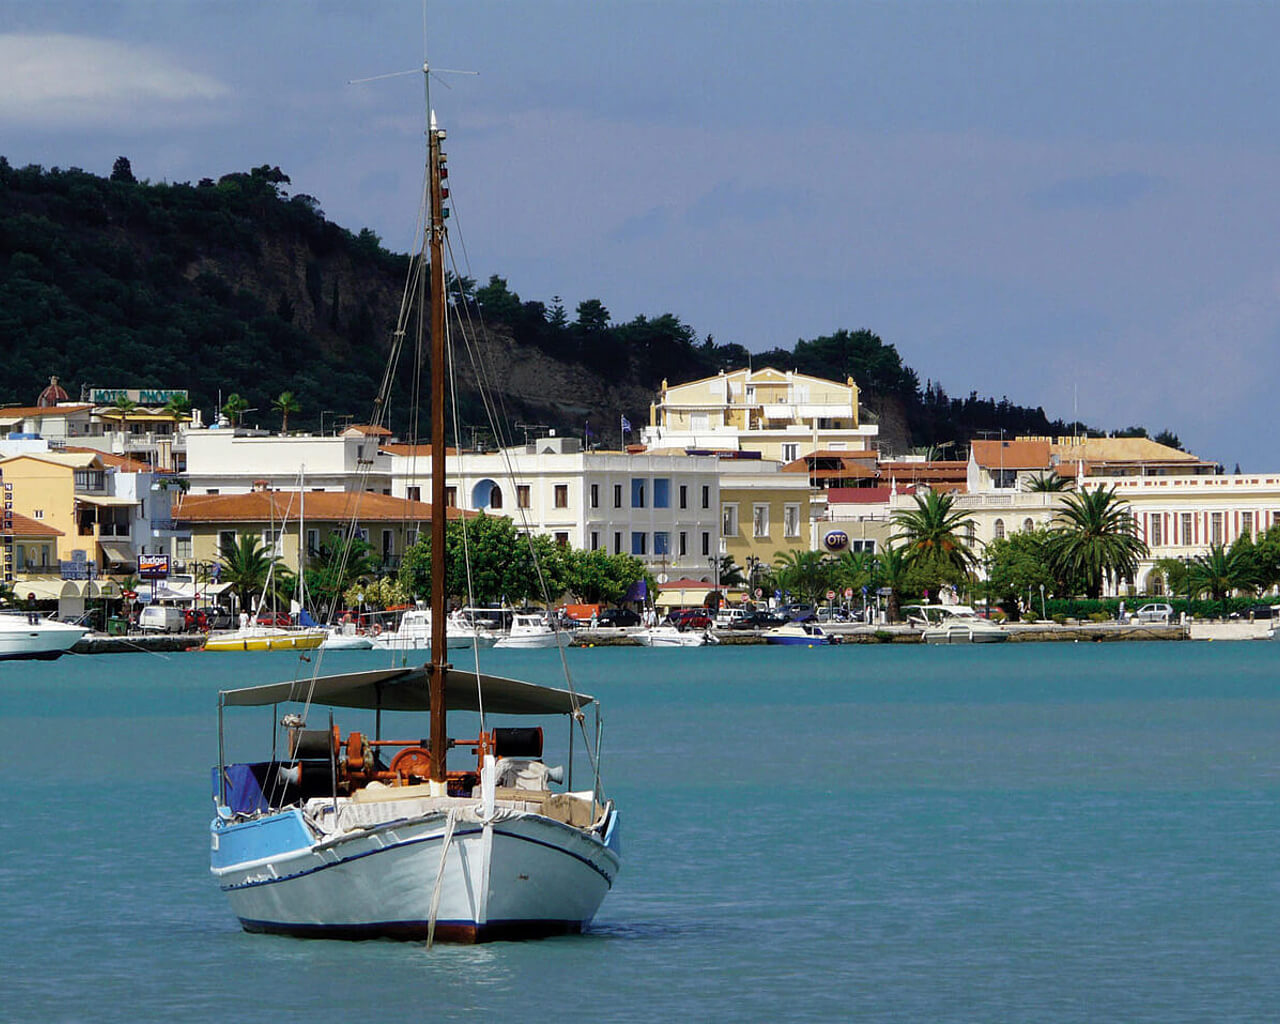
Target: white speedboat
point(346, 637)
point(413, 633)
point(673, 636)
point(953, 624)
point(29, 635)
point(531, 631)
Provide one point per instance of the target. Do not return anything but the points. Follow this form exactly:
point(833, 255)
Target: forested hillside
point(236, 286)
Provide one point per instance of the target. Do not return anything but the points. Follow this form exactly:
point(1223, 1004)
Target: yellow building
point(780, 414)
point(765, 512)
point(69, 492)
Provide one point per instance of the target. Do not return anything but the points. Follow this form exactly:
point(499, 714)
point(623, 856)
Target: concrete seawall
point(1031, 632)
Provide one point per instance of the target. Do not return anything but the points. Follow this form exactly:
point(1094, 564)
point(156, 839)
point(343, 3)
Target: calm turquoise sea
point(1043, 833)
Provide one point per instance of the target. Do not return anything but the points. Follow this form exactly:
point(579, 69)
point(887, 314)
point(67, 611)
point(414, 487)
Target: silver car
point(1154, 613)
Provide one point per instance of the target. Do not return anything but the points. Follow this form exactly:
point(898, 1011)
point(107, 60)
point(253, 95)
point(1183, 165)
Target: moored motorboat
point(529, 631)
point(953, 624)
point(798, 634)
point(673, 636)
point(346, 637)
point(30, 635)
point(413, 633)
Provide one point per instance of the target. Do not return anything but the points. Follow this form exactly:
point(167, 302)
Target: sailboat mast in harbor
point(435, 247)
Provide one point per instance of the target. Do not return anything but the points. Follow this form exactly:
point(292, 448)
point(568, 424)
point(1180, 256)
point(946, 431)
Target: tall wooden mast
point(439, 650)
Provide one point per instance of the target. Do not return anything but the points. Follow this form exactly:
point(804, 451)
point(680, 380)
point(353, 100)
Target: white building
point(662, 508)
point(223, 460)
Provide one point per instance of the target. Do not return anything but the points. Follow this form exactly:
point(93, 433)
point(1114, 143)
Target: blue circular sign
point(836, 540)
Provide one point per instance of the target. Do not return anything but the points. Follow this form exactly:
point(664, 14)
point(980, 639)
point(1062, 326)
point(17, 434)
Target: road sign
point(831, 595)
point(759, 592)
point(848, 591)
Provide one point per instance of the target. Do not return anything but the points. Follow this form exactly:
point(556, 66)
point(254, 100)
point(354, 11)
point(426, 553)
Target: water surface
point(1073, 832)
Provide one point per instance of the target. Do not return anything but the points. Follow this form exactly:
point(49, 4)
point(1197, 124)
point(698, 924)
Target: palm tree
point(178, 408)
point(245, 564)
point(285, 404)
point(1048, 482)
point(729, 573)
point(122, 407)
point(235, 407)
point(932, 533)
point(1219, 571)
point(854, 569)
point(894, 572)
point(804, 573)
point(1094, 540)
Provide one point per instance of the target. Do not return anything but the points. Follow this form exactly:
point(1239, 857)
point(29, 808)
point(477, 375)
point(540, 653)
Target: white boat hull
point(532, 641)
point(963, 635)
point(42, 639)
point(523, 876)
point(669, 636)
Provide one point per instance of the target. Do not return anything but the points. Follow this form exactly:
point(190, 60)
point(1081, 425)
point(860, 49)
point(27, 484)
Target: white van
point(726, 616)
point(162, 618)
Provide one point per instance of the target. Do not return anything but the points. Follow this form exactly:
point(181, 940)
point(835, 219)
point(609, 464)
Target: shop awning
point(106, 501)
point(691, 598)
point(49, 588)
point(120, 551)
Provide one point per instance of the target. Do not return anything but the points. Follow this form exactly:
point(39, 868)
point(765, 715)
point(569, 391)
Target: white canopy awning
point(106, 501)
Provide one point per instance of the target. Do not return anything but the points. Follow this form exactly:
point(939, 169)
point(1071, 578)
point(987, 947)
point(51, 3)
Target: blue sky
point(1072, 204)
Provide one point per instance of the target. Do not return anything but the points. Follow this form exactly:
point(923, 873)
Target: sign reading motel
point(142, 396)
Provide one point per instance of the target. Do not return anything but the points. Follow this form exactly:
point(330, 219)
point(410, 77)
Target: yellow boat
point(266, 638)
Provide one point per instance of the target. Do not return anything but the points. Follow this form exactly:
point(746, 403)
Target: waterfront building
point(236, 460)
point(291, 523)
point(766, 512)
point(780, 414)
point(662, 507)
point(104, 420)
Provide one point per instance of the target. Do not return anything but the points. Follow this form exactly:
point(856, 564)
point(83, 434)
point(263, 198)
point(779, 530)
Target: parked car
point(161, 618)
point(727, 616)
point(759, 620)
point(1154, 613)
point(689, 618)
point(617, 617)
point(274, 619)
point(797, 612)
point(219, 618)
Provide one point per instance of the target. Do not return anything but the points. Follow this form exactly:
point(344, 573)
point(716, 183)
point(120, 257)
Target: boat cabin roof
point(407, 689)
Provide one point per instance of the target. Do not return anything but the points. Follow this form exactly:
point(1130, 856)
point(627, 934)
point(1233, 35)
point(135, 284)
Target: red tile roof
point(121, 462)
point(323, 506)
point(864, 495)
point(24, 527)
point(1011, 454)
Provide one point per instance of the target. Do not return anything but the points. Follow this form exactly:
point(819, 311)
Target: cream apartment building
point(780, 414)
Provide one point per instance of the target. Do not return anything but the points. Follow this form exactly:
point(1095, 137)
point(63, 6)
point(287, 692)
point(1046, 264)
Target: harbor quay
point(1030, 632)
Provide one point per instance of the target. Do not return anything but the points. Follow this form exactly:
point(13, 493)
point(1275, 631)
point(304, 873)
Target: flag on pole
point(626, 425)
